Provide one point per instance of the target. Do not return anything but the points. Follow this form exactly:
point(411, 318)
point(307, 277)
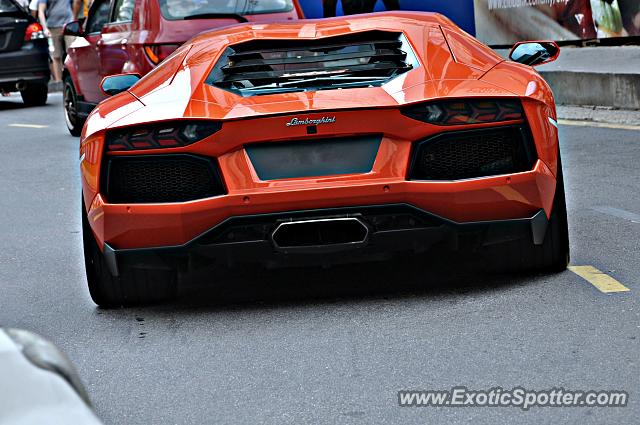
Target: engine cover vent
point(363, 59)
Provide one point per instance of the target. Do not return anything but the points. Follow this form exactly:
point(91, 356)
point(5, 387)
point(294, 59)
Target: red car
point(133, 36)
point(321, 142)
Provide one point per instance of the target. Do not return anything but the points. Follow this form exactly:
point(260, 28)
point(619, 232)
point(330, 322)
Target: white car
point(38, 383)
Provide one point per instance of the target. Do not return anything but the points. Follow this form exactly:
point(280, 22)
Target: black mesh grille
point(476, 153)
point(354, 60)
point(160, 178)
point(260, 227)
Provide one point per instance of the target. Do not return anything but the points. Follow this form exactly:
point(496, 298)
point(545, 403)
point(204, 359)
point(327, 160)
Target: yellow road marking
point(28, 125)
point(603, 282)
point(599, 124)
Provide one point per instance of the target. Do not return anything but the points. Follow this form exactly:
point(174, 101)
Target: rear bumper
point(391, 230)
point(504, 197)
point(29, 64)
point(518, 195)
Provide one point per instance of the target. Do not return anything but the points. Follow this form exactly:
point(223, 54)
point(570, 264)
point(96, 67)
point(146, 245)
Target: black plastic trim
point(389, 62)
point(106, 166)
point(433, 229)
point(525, 132)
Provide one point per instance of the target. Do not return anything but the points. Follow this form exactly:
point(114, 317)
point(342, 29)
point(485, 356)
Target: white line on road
point(627, 215)
point(599, 124)
point(28, 125)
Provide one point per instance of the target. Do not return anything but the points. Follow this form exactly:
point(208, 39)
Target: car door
point(114, 48)
point(86, 52)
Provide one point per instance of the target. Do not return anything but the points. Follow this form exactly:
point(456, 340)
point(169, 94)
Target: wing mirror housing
point(534, 53)
point(114, 84)
point(73, 29)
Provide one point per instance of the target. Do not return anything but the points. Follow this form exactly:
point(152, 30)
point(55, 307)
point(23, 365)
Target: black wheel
point(133, 286)
point(70, 103)
point(35, 94)
point(552, 255)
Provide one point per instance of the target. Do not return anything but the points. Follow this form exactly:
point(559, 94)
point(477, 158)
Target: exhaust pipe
point(320, 235)
point(21, 85)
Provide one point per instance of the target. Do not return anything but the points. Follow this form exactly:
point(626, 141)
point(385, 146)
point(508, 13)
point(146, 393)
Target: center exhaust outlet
point(320, 235)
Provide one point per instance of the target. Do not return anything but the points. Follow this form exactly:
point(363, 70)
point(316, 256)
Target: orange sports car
point(319, 142)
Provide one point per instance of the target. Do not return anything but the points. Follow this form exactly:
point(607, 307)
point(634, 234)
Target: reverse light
point(34, 32)
point(159, 52)
point(161, 135)
point(457, 112)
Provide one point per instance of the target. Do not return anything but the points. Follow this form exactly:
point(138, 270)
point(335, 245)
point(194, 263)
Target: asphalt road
point(329, 346)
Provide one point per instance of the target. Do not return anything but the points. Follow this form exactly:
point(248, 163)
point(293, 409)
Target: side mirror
point(114, 84)
point(73, 29)
point(534, 53)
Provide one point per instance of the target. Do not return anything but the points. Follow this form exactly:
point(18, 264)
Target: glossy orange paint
point(176, 90)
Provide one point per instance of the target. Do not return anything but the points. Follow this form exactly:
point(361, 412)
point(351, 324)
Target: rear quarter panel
point(538, 102)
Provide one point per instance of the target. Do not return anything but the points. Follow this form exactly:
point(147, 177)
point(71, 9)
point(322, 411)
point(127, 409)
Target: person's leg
point(56, 69)
point(368, 6)
point(58, 48)
point(329, 8)
point(352, 7)
point(391, 4)
point(68, 39)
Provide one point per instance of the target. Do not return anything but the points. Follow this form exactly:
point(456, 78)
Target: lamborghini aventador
point(320, 142)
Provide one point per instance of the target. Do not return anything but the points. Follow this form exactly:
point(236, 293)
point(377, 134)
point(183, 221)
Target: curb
point(619, 118)
point(592, 88)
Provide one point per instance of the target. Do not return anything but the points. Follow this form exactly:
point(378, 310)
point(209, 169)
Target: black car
point(24, 54)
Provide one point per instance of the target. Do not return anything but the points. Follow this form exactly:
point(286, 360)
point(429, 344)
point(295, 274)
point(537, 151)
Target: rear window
point(180, 9)
point(7, 6)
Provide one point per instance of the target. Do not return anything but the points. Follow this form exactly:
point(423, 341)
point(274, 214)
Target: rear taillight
point(159, 136)
point(159, 52)
point(457, 112)
point(34, 32)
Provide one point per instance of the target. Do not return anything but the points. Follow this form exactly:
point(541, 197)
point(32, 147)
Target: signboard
point(504, 22)
point(459, 11)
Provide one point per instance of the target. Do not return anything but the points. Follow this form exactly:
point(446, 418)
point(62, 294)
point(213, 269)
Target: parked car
point(134, 36)
point(322, 142)
point(24, 54)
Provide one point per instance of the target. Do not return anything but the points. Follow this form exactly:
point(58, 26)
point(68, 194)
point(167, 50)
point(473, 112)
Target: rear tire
point(70, 104)
point(133, 286)
point(35, 94)
point(552, 255)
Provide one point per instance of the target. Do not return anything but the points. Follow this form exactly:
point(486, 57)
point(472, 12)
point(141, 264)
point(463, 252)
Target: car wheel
point(70, 99)
point(132, 287)
point(35, 94)
point(552, 255)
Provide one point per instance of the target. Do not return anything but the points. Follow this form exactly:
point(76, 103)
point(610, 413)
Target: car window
point(7, 6)
point(178, 9)
point(123, 11)
point(98, 16)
